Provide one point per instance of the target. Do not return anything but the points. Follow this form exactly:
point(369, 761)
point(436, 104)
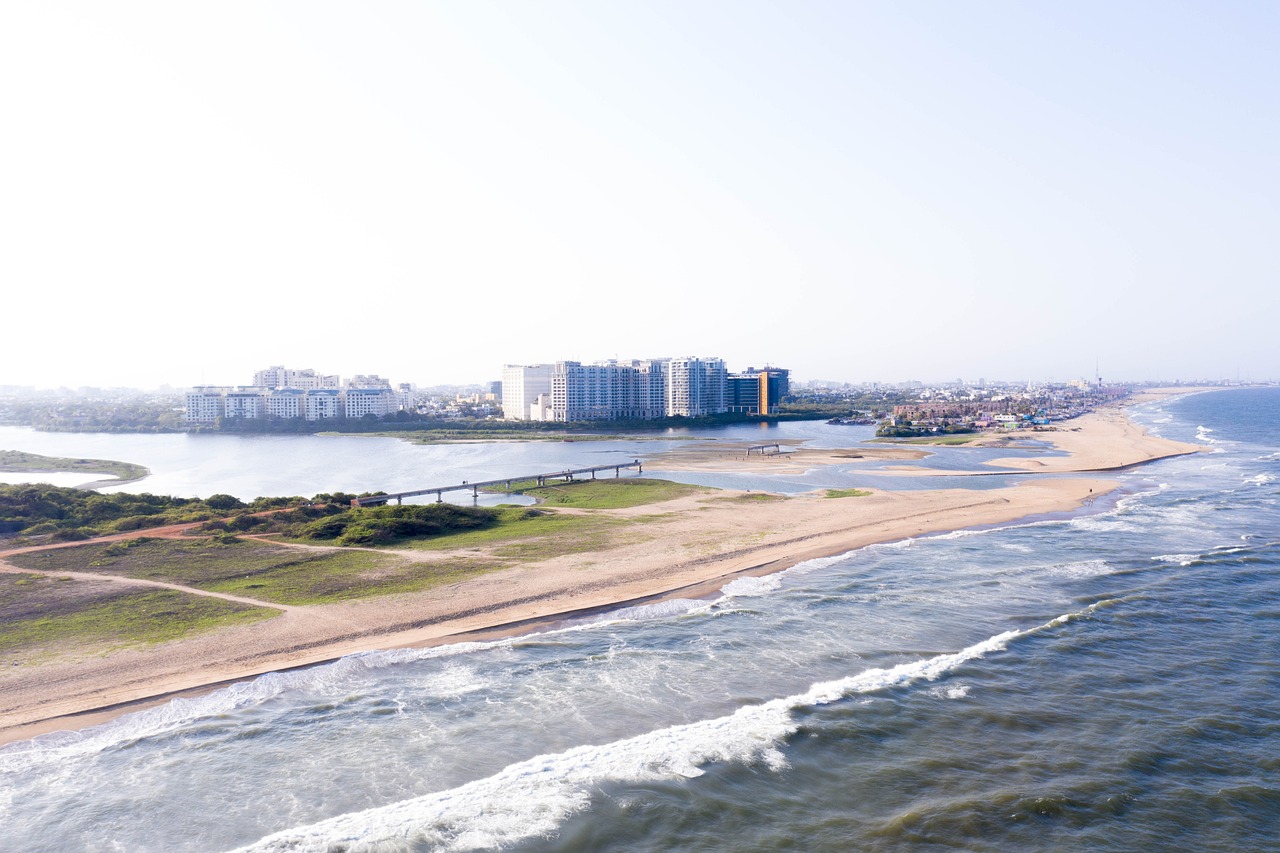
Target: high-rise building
point(204, 404)
point(522, 386)
point(641, 389)
point(696, 387)
point(282, 377)
point(757, 391)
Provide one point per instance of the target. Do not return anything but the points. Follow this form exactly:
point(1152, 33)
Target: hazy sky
point(428, 190)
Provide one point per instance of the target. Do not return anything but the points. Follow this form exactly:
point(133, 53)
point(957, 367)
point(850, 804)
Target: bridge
point(762, 449)
point(505, 482)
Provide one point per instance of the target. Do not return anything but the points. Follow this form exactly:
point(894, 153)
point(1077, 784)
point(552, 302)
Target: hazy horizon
point(427, 191)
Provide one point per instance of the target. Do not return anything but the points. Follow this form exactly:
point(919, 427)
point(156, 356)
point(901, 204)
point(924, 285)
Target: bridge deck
point(540, 479)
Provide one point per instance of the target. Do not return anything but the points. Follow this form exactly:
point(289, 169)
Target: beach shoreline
point(703, 543)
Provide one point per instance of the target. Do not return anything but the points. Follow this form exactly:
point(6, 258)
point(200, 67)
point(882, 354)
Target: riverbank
point(686, 548)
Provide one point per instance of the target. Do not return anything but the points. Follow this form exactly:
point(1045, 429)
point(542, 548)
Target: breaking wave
point(532, 798)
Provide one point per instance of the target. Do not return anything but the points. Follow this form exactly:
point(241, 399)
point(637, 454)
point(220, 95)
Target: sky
point(856, 191)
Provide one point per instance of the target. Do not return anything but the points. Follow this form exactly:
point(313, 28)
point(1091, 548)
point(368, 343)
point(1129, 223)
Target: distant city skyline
point(858, 191)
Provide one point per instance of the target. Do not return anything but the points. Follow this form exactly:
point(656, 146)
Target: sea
point(1105, 680)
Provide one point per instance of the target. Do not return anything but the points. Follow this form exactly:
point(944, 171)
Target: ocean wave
point(532, 798)
point(666, 609)
point(1180, 559)
point(750, 587)
point(1082, 569)
point(177, 713)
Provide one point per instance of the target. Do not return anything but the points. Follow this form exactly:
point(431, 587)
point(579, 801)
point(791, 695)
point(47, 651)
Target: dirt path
point(9, 568)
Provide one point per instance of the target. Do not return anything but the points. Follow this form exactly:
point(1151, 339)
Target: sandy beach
point(688, 547)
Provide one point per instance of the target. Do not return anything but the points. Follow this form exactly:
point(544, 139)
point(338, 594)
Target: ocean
point(1107, 680)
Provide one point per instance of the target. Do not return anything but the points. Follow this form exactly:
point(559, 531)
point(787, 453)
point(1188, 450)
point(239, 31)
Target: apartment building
point(757, 391)
point(641, 389)
point(320, 404)
point(280, 392)
point(696, 387)
point(204, 403)
point(369, 401)
point(282, 377)
point(285, 403)
point(245, 403)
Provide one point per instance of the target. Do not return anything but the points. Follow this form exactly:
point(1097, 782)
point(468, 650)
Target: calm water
point(1104, 682)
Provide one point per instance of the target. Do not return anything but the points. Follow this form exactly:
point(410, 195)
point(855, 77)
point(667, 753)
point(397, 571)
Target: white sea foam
point(750, 587)
point(1260, 479)
point(950, 691)
point(1084, 569)
point(177, 713)
point(646, 612)
point(533, 797)
point(1180, 559)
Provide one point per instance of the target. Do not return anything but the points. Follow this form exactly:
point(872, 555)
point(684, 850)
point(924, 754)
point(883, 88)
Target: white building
point(320, 404)
point(368, 381)
point(369, 401)
point(204, 404)
point(282, 377)
point(286, 403)
point(522, 385)
point(245, 403)
point(696, 387)
point(611, 390)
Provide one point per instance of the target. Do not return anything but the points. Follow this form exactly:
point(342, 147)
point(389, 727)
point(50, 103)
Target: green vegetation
point(17, 460)
point(71, 514)
point(938, 439)
point(889, 431)
point(753, 497)
point(605, 493)
point(76, 513)
point(385, 525)
point(40, 615)
point(260, 570)
point(846, 493)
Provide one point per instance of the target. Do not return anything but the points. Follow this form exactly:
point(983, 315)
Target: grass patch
point(932, 439)
point(525, 535)
point(260, 570)
point(606, 493)
point(846, 493)
point(752, 497)
point(22, 462)
point(47, 615)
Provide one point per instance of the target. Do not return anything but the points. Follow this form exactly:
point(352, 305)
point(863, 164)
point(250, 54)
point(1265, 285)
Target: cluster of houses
point(1002, 409)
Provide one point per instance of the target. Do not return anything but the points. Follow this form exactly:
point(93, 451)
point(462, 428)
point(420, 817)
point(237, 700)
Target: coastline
point(698, 545)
